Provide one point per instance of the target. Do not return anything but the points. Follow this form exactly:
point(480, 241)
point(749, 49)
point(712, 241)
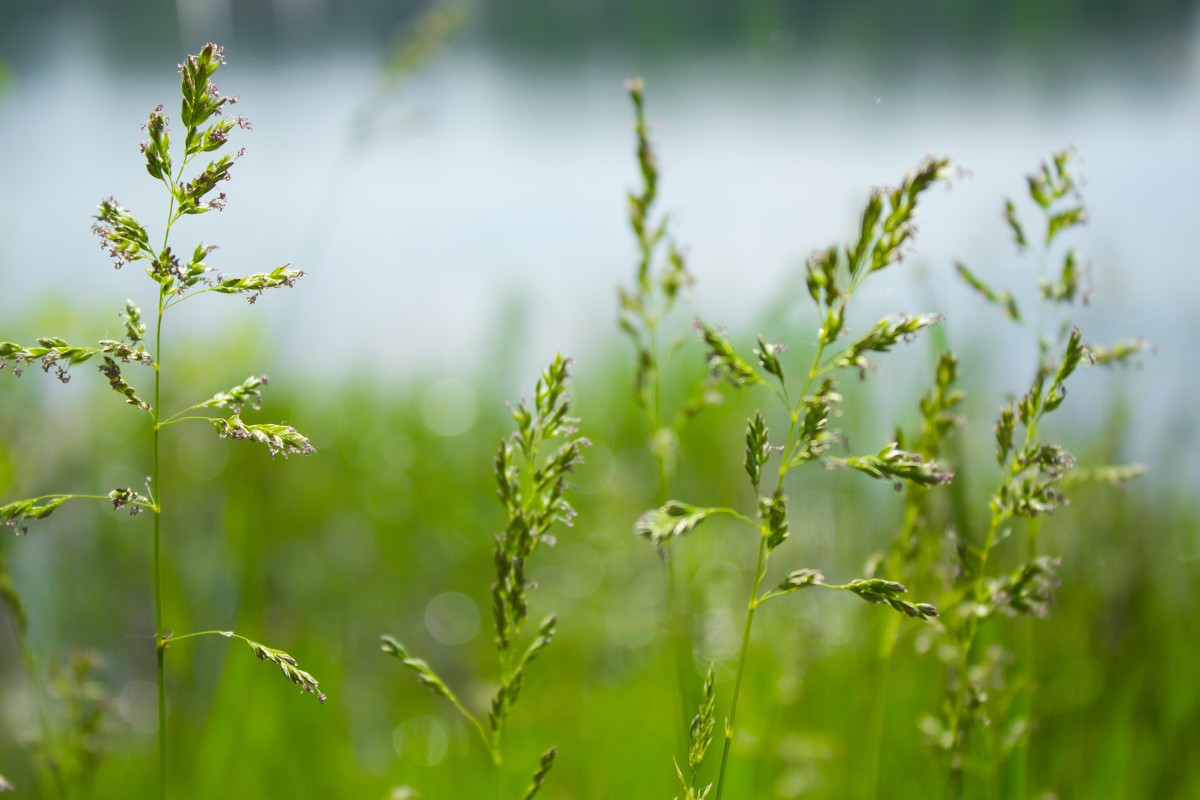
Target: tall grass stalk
point(903, 559)
point(833, 276)
point(644, 308)
point(532, 488)
point(128, 241)
point(1033, 476)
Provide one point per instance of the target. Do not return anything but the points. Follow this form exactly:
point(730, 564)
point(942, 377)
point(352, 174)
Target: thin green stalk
point(887, 648)
point(759, 570)
point(813, 371)
point(671, 611)
point(1019, 763)
point(878, 721)
point(879, 245)
point(163, 304)
point(971, 629)
point(158, 506)
point(178, 418)
point(672, 614)
point(971, 626)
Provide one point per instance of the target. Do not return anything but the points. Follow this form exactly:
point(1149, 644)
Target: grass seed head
point(673, 519)
point(543, 770)
point(289, 668)
point(723, 361)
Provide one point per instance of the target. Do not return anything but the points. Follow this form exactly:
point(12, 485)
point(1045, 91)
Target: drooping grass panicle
point(892, 463)
point(254, 285)
point(237, 398)
point(54, 353)
point(286, 663)
point(38, 508)
point(278, 439)
point(882, 338)
point(424, 673)
point(879, 590)
point(670, 520)
point(290, 669)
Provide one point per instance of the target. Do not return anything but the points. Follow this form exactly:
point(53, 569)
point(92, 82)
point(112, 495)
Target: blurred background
point(452, 178)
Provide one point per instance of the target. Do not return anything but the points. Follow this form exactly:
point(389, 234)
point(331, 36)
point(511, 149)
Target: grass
point(533, 489)
point(127, 241)
point(393, 516)
point(371, 537)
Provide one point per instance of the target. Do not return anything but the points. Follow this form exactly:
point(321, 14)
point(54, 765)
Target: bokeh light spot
point(452, 618)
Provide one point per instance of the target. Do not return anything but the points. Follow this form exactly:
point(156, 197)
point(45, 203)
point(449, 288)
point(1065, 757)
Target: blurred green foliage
point(322, 554)
point(1041, 29)
point(1047, 28)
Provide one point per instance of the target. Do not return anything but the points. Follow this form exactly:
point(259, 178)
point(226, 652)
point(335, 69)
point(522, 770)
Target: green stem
point(1019, 766)
point(970, 630)
point(795, 414)
point(105, 497)
point(479, 727)
point(163, 304)
point(671, 611)
point(887, 642)
point(158, 505)
point(178, 418)
point(887, 648)
point(971, 625)
point(188, 296)
point(759, 571)
point(675, 645)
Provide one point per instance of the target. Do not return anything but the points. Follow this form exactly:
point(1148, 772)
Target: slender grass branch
point(176, 419)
